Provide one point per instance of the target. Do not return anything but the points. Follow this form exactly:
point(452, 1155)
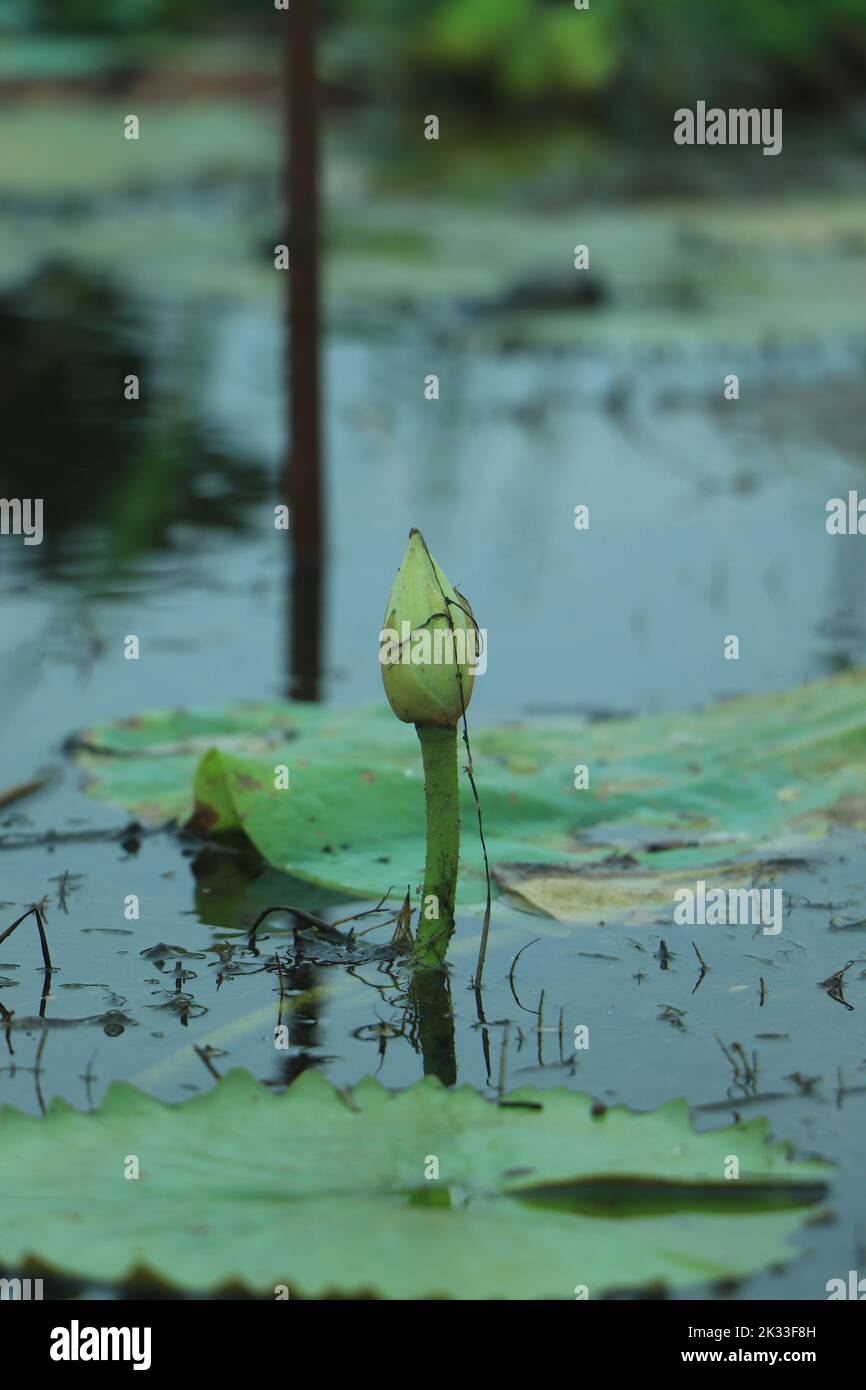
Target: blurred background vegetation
point(155, 257)
point(635, 52)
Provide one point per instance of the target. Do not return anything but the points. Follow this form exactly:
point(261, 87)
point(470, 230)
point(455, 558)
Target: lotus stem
point(436, 924)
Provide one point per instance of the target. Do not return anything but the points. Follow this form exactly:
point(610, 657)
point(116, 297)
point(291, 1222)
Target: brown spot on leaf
point(203, 818)
point(244, 779)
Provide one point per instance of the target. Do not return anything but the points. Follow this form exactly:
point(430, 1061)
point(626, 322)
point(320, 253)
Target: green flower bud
point(421, 651)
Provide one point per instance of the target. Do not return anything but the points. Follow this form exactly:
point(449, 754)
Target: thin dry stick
point(306, 918)
point(356, 916)
point(78, 837)
point(704, 969)
point(43, 940)
point(204, 1054)
point(731, 1059)
point(511, 975)
point(22, 789)
point(6, 1015)
point(703, 963)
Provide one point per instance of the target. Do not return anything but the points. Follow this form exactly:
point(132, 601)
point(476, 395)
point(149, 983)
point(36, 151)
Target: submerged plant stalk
point(436, 925)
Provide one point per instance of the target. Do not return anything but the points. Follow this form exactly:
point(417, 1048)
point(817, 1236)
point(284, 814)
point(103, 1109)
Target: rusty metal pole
point(302, 483)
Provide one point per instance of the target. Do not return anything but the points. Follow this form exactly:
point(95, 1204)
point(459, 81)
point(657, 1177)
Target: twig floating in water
point(22, 789)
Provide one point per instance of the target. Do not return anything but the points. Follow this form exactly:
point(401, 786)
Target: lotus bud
point(429, 639)
point(429, 653)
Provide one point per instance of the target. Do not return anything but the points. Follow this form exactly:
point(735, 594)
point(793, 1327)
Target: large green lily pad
point(704, 794)
point(326, 1193)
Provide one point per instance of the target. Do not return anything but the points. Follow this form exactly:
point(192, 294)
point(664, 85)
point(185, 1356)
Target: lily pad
point(708, 793)
point(534, 1195)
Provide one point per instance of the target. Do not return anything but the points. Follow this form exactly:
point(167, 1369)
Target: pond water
point(707, 518)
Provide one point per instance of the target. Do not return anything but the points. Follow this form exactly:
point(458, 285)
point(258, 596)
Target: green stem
point(439, 752)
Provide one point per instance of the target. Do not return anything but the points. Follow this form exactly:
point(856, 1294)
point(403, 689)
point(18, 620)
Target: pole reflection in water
point(302, 480)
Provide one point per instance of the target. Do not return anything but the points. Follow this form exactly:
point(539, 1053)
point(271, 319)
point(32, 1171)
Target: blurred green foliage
point(619, 51)
point(616, 55)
